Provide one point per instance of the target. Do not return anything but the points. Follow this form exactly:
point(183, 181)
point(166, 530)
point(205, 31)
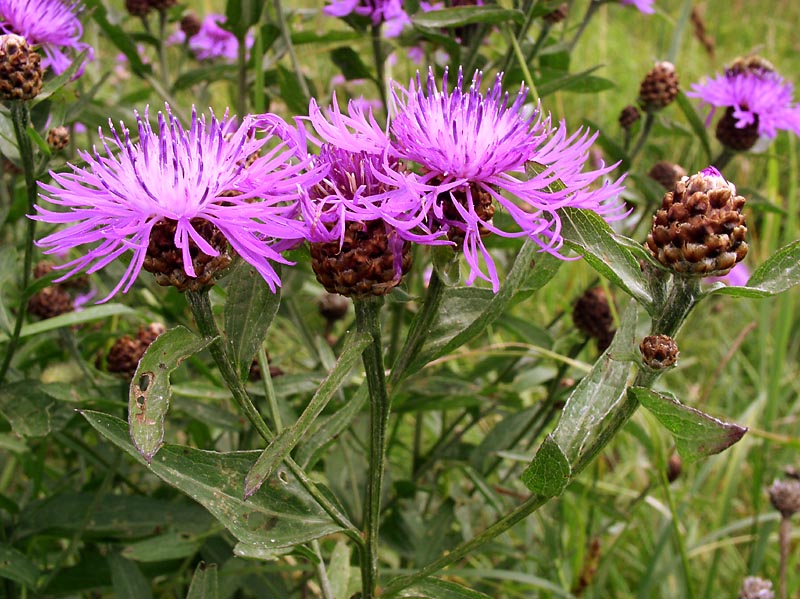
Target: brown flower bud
point(785, 497)
point(736, 138)
point(190, 25)
point(659, 87)
point(138, 8)
point(700, 228)
point(58, 138)
point(333, 306)
point(628, 116)
point(20, 69)
point(591, 314)
point(667, 174)
point(659, 351)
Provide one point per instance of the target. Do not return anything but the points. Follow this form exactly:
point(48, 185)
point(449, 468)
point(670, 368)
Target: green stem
point(162, 49)
point(322, 574)
point(522, 64)
point(269, 389)
point(681, 299)
point(368, 321)
point(20, 116)
point(287, 40)
point(380, 64)
point(723, 158)
point(647, 127)
point(593, 6)
point(523, 31)
point(241, 61)
point(200, 305)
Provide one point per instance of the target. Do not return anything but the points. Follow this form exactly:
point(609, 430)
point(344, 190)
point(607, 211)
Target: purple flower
point(645, 6)
point(212, 41)
point(757, 97)
point(193, 178)
point(737, 277)
point(389, 12)
point(51, 24)
point(363, 182)
point(473, 150)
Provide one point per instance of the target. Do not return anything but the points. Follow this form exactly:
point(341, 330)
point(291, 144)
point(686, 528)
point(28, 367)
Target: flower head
point(178, 193)
point(211, 41)
point(754, 97)
point(476, 149)
point(51, 24)
point(645, 6)
point(388, 12)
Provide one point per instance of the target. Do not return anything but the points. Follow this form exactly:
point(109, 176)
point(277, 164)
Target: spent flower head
point(179, 193)
point(51, 24)
point(475, 149)
point(754, 96)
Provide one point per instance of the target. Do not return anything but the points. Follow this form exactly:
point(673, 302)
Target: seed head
point(659, 87)
point(700, 229)
point(659, 351)
point(20, 69)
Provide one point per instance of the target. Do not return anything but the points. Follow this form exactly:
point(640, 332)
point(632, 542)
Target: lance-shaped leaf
point(289, 437)
point(150, 392)
point(466, 15)
point(205, 582)
point(587, 233)
point(697, 435)
point(591, 411)
point(17, 567)
point(30, 409)
point(779, 273)
point(72, 318)
point(249, 310)
point(282, 515)
point(433, 588)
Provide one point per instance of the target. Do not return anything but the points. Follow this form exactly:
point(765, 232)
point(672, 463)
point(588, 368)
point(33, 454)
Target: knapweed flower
point(390, 13)
point(645, 6)
point(473, 150)
point(176, 198)
point(363, 216)
point(757, 102)
point(211, 41)
point(52, 25)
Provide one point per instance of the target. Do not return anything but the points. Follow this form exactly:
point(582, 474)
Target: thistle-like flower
point(176, 199)
point(473, 149)
point(51, 24)
point(390, 13)
point(208, 40)
point(363, 216)
point(757, 102)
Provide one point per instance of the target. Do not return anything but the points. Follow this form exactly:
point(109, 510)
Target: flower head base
point(757, 102)
point(170, 195)
point(700, 229)
point(51, 24)
point(472, 147)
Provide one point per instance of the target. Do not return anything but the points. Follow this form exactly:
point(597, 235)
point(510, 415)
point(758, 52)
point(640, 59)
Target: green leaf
point(697, 124)
point(289, 437)
point(69, 319)
point(590, 411)
point(249, 310)
point(150, 392)
point(240, 15)
point(697, 435)
point(127, 578)
point(605, 251)
point(282, 515)
point(458, 17)
point(56, 83)
point(17, 567)
point(467, 311)
point(29, 409)
point(350, 64)
point(582, 82)
point(118, 37)
point(549, 472)
point(779, 273)
point(205, 583)
point(205, 73)
point(433, 588)
point(172, 545)
point(291, 92)
point(340, 570)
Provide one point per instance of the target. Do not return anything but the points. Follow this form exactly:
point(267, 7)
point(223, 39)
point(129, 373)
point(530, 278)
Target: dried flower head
point(757, 102)
point(52, 25)
point(659, 351)
point(20, 69)
point(167, 197)
point(700, 228)
point(784, 495)
point(478, 149)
